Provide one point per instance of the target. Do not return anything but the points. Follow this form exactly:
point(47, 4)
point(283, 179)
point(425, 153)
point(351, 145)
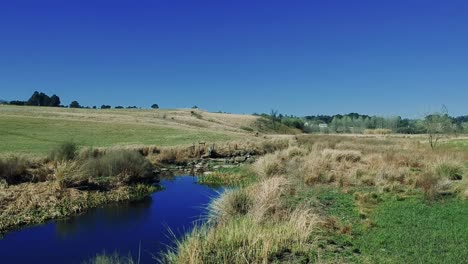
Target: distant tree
point(155, 106)
point(131, 107)
point(274, 118)
point(94, 107)
point(105, 107)
point(42, 99)
point(75, 104)
point(194, 107)
point(38, 99)
point(119, 107)
point(438, 125)
point(54, 101)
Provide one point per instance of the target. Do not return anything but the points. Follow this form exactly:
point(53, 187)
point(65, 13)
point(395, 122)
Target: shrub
point(127, 166)
point(14, 170)
point(429, 183)
point(450, 171)
point(64, 152)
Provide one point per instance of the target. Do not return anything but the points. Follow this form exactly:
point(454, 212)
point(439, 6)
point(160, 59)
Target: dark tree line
point(42, 99)
point(39, 99)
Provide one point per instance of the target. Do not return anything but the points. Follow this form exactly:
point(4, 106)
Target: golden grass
point(258, 223)
point(249, 226)
point(160, 117)
point(34, 203)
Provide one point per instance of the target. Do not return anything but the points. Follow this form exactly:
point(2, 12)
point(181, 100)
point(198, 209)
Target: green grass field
point(37, 135)
point(410, 230)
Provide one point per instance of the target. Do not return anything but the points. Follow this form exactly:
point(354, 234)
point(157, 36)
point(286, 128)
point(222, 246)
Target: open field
point(35, 130)
point(307, 198)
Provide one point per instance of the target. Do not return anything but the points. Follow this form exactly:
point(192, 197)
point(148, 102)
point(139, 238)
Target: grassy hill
point(37, 129)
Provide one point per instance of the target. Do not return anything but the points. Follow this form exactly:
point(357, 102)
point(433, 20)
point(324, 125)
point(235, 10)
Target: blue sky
point(300, 57)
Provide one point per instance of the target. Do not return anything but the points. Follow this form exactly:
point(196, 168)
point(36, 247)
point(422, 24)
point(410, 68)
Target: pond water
point(114, 228)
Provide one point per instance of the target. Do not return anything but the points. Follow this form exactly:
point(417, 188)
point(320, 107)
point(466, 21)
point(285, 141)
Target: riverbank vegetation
point(69, 182)
point(70, 179)
point(339, 199)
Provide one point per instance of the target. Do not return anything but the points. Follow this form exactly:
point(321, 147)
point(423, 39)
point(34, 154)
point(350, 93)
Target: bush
point(14, 170)
point(128, 166)
point(450, 171)
point(429, 183)
point(64, 152)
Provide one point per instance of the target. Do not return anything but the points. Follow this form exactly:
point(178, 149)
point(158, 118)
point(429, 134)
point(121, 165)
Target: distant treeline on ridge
point(42, 99)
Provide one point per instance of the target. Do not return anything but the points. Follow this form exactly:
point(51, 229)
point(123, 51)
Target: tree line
point(358, 123)
point(42, 99)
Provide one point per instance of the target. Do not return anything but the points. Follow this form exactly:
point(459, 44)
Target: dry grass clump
point(260, 202)
point(17, 169)
point(450, 169)
point(243, 240)
point(342, 155)
point(176, 155)
point(14, 170)
point(267, 196)
point(296, 151)
point(393, 165)
point(249, 225)
point(271, 164)
point(232, 203)
point(315, 169)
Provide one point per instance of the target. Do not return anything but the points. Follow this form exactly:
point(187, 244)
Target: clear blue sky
point(390, 57)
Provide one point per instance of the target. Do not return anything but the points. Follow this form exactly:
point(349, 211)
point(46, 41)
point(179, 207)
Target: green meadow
point(33, 135)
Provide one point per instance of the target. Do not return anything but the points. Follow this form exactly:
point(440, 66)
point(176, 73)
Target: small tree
point(155, 106)
point(75, 104)
point(274, 117)
point(437, 126)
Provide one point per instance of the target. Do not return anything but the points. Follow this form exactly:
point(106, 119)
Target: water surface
point(119, 227)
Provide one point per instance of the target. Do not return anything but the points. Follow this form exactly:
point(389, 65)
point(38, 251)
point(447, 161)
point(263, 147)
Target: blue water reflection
point(112, 228)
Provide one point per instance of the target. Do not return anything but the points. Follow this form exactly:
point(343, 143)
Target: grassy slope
point(37, 129)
